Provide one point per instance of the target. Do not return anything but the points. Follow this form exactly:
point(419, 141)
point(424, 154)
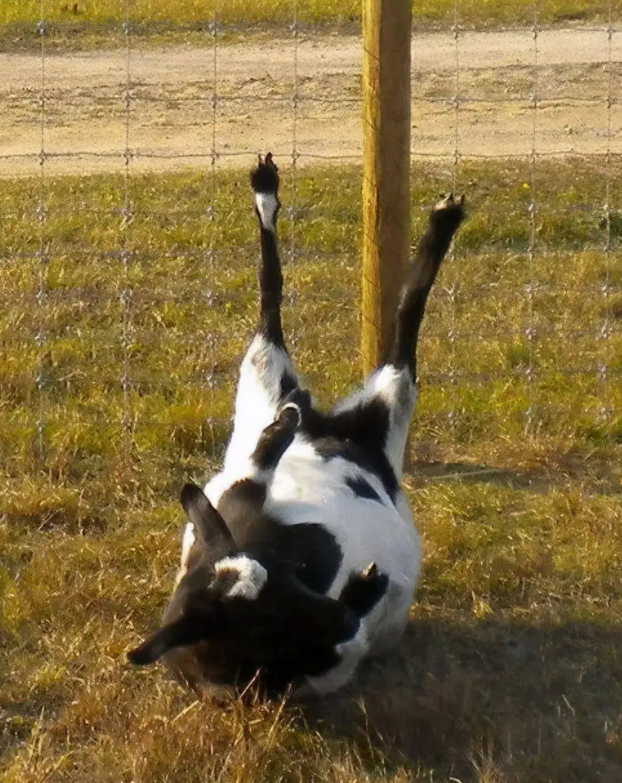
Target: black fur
point(265, 179)
point(208, 522)
point(276, 439)
point(309, 550)
point(289, 385)
point(241, 506)
point(433, 246)
point(363, 591)
point(357, 435)
point(363, 489)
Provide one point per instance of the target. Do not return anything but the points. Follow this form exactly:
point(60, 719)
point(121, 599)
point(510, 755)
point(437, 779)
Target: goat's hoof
point(371, 572)
point(292, 414)
point(301, 398)
point(364, 590)
point(448, 202)
point(448, 213)
point(264, 177)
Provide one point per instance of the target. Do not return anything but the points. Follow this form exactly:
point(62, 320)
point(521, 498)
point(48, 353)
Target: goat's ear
point(180, 633)
point(211, 529)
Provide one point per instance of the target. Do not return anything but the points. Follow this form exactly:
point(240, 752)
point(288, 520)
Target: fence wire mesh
point(142, 286)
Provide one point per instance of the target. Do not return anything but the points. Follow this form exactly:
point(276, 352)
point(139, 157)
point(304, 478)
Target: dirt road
point(173, 122)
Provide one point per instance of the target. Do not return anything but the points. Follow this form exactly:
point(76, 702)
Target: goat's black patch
point(357, 434)
point(363, 489)
point(265, 178)
point(288, 385)
point(309, 549)
point(371, 460)
point(314, 661)
point(270, 289)
point(242, 503)
point(375, 462)
point(362, 592)
point(433, 245)
point(315, 552)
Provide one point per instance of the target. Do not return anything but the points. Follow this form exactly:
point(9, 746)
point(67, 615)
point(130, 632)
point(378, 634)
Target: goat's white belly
point(307, 488)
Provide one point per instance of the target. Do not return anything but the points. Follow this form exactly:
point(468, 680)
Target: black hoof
point(265, 178)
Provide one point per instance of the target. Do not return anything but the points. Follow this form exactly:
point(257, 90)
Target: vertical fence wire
point(41, 338)
point(210, 375)
point(601, 366)
point(533, 218)
point(453, 288)
point(605, 332)
point(293, 208)
point(126, 253)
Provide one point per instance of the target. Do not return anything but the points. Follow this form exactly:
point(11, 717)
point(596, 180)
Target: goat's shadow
point(604, 478)
point(487, 700)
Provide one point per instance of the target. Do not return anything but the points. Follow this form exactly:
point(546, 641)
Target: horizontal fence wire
point(138, 154)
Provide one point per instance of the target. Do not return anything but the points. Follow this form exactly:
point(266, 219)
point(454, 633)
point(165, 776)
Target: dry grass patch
point(117, 386)
point(98, 23)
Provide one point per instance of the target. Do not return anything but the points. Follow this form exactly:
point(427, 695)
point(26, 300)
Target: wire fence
point(212, 110)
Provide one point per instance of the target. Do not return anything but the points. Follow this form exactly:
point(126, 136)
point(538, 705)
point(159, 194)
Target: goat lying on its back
point(300, 558)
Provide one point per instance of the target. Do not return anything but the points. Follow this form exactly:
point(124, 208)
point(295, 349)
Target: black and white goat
point(300, 558)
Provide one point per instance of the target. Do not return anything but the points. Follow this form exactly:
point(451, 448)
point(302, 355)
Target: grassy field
point(87, 23)
point(116, 387)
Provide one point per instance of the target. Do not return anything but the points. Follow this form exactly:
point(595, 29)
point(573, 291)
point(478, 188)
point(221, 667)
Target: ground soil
point(174, 121)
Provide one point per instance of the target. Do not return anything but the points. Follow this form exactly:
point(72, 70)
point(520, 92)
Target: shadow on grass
point(602, 480)
point(489, 701)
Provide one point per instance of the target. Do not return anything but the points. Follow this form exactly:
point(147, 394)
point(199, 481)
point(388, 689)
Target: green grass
point(87, 23)
point(511, 669)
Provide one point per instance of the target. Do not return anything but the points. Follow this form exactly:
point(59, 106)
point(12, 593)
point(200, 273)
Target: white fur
point(186, 546)
point(257, 401)
point(252, 576)
point(305, 488)
point(267, 206)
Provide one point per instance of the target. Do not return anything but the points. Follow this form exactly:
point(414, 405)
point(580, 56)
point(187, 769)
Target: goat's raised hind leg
point(383, 408)
point(267, 375)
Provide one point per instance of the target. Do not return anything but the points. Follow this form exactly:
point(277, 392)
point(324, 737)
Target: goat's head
point(232, 615)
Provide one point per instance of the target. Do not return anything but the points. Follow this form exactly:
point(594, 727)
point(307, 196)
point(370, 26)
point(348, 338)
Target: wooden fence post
point(386, 169)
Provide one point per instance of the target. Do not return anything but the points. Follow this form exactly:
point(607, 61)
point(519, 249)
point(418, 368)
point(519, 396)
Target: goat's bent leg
point(390, 392)
point(267, 375)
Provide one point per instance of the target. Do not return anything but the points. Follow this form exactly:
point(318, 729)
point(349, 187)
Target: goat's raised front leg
point(379, 414)
point(267, 375)
point(242, 502)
